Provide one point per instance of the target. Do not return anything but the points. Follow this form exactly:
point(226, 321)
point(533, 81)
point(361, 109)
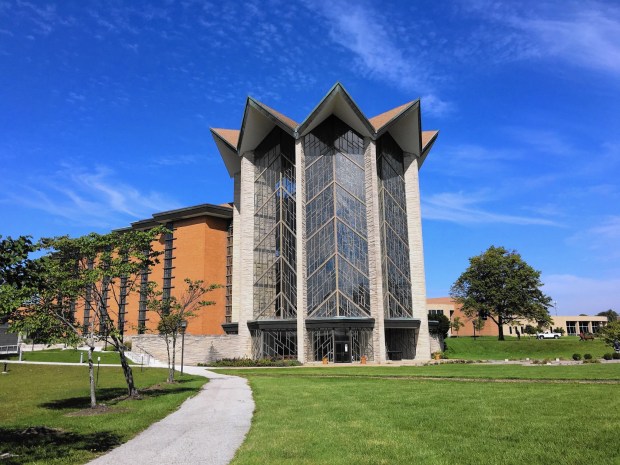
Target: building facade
point(327, 259)
point(572, 325)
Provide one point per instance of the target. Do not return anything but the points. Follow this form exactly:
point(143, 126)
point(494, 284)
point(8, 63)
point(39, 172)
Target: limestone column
point(246, 250)
point(375, 273)
point(416, 255)
point(300, 221)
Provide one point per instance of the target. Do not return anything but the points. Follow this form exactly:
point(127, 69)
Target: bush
point(443, 327)
point(608, 356)
point(616, 356)
point(576, 356)
point(587, 356)
point(248, 362)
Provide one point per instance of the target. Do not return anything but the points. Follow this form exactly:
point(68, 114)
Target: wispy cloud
point(92, 197)
point(175, 160)
point(466, 209)
point(362, 30)
point(577, 294)
point(603, 239)
point(583, 33)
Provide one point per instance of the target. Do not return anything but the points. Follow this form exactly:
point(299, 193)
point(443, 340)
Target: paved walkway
point(207, 429)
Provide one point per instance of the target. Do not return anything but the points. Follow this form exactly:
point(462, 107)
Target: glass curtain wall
point(336, 231)
point(275, 278)
point(394, 243)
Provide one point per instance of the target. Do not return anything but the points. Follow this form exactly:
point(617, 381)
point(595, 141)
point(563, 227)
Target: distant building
point(572, 325)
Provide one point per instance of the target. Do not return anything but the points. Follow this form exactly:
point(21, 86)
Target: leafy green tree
point(456, 324)
point(530, 330)
point(610, 333)
point(610, 314)
point(173, 312)
point(479, 323)
point(96, 273)
point(503, 286)
point(444, 324)
point(19, 274)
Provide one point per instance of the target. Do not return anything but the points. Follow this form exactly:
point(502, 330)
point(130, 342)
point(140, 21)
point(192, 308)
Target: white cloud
point(602, 239)
point(582, 33)
point(91, 197)
point(461, 208)
point(362, 30)
point(578, 294)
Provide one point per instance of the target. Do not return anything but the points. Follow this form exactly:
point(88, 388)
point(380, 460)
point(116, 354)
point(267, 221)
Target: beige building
point(572, 325)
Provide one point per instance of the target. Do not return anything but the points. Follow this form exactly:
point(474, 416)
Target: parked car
point(548, 335)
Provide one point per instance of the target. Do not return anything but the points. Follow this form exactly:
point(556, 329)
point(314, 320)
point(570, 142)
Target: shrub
point(616, 356)
point(587, 356)
point(248, 362)
point(576, 356)
point(608, 356)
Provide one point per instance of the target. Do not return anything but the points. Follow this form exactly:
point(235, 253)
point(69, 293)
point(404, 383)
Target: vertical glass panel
point(394, 233)
point(337, 250)
point(275, 281)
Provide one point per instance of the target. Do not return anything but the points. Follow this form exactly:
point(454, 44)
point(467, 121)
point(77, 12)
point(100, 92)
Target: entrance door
point(343, 352)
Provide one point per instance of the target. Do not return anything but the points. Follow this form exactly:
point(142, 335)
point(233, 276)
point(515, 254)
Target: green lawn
point(68, 356)
point(35, 396)
point(314, 419)
point(590, 371)
point(489, 348)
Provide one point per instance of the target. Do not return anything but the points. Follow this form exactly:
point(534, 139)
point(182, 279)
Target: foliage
point(93, 273)
point(576, 356)
point(610, 314)
point(173, 313)
point(608, 356)
point(443, 327)
point(560, 330)
point(587, 356)
point(610, 333)
point(19, 274)
point(456, 324)
point(248, 362)
point(501, 285)
point(615, 356)
point(530, 330)
point(479, 323)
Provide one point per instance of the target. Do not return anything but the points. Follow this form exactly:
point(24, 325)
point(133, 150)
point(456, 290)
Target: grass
point(599, 371)
point(489, 348)
point(39, 403)
point(68, 356)
point(322, 419)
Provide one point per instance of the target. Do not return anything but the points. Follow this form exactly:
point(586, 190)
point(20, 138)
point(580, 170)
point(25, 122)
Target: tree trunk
point(170, 362)
point(131, 387)
point(500, 326)
point(91, 375)
point(174, 357)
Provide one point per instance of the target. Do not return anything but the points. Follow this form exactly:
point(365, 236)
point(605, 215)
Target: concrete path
point(206, 429)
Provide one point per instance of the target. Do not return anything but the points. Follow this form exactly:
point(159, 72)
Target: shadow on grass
point(109, 396)
point(41, 444)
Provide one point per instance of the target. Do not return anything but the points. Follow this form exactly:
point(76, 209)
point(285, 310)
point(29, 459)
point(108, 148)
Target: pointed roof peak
point(230, 136)
point(384, 118)
point(280, 116)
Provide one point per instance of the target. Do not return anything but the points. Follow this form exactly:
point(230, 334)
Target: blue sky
point(105, 109)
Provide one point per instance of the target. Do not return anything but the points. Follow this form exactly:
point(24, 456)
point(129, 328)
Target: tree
point(610, 314)
point(95, 273)
point(456, 324)
point(173, 312)
point(479, 323)
point(610, 333)
point(503, 286)
point(530, 330)
point(443, 324)
point(18, 273)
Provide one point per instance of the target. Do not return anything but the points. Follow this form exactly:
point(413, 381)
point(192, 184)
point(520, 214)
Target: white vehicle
point(548, 335)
